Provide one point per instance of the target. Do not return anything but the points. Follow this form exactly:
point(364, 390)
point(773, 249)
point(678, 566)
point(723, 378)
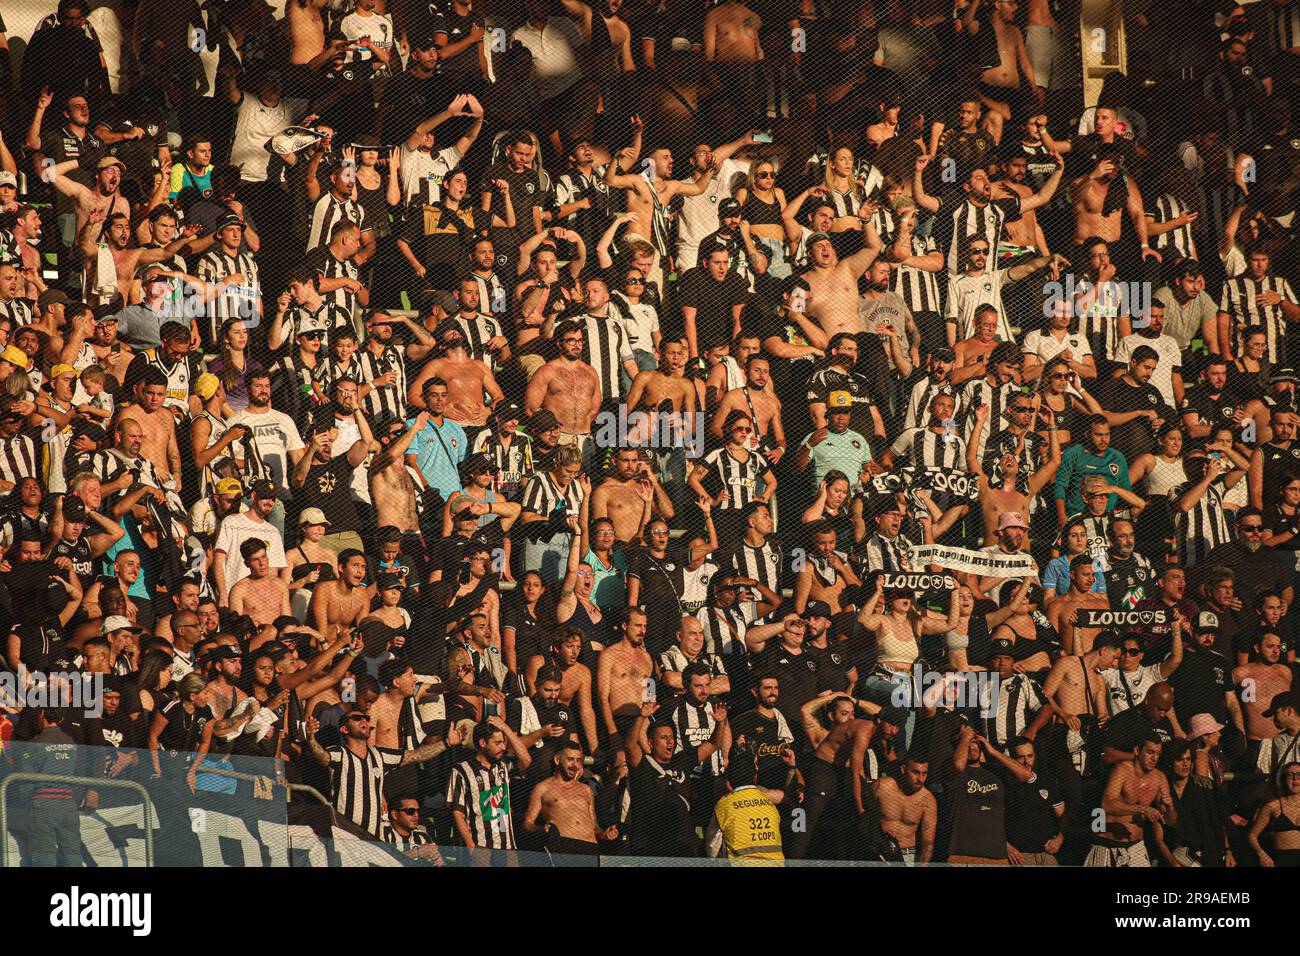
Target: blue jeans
point(645, 361)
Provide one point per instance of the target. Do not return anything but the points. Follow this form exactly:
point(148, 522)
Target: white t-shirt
point(234, 531)
point(422, 172)
point(275, 435)
point(1045, 346)
point(1171, 357)
point(378, 27)
point(255, 124)
point(967, 293)
point(698, 215)
point(1139, 682)
point(642, 325)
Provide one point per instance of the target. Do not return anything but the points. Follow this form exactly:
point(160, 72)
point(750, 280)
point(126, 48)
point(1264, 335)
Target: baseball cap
point(891, 714)
point(385, 582)
point(228, 220)
point(118, 622)
point(366, 141)
point(1011, 519)
point(8, 179)
point(477, 463)
point(222, 652)
point(1003, 648)
point(1283, 375)
point(15, 356)
point(205, 386)
point(1207, 621)
point(839, 399)
point(229, 486)
point(728, 207)
point(312, 516)
point(543, 419)
point(817, 609)
point(74, 509)
point(108, 161)
point(51, 296)
point(944, 354)
point(507, 411)
point(446, 326)
point(817, 237)
point(63, 368)
point(1288, 698)
point(263, 488)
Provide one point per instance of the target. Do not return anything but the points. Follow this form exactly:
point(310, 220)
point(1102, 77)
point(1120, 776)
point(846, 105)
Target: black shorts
point(570, 846)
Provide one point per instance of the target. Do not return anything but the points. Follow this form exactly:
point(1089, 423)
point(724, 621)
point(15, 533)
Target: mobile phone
point(648, 692)
point(764, 137)
point(490, 709)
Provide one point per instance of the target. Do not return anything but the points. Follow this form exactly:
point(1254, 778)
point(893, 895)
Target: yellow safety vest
point(750, 825)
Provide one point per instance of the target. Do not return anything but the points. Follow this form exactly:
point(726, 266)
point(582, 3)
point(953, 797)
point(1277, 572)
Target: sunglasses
point(407, 810)
point(1022, 409)
point(313, 335)
point(634, 280)
point(1132, 651)
point(1252, 527)
point(742, 430)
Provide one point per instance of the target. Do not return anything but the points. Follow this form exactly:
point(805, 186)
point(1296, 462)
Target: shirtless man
point(1257, 681)
point(116, 234)
point(731, 34)
point(653, 387)
point(398, 682)
point(468, 379)
point(1005, 497)
point(263, 596)
point(104, 197)
point(575, 687)
point(623, 496)
point(158, 427)
point(391, 487)
point(1024, 231)
point(757, 400)
point(342, 602)
point(1075, 688)
point(832, 297)
point(566, 386)
point(564, 808)
point(1011, 55)
point(307, 34)
point(1088, 198)
point(908, 810)
point(621, 673)
point(1062, 611)
point(1135, 792)
point(844, 743)
point(645, 198)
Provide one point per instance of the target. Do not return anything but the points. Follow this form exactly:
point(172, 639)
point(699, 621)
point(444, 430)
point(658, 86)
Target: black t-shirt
point(564, 715)
point(1127, 581)
point(979, 815)
point(530, 636)
point(1279, 522)
point(1213, 410)
point(183, 731)
point(1134, 437)
point(78, 552)
point(833, 665)
point(797, 674)
point(525, 192)
point(660, 814)
point(457, 28)
point(1200, 685)
point(714, 303)
point(329, 488)
point(762, 734)
point(1127, 730)
point(1031, 818)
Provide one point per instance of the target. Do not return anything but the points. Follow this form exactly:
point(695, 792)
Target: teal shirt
point(439, 460)
point(1076, 464)
point(610, 590)
point(847, 452)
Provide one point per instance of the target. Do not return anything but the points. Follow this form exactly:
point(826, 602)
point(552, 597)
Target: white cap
point(117, 622)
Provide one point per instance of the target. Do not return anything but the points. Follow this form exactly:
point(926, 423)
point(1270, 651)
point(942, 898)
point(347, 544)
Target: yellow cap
point(205, 386)
point(839, 399)
point(62, 369)
point(15, 356)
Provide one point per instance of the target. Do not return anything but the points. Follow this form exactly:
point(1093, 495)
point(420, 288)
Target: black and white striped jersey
point(493, 296)
point(328, 212)
point(478, 331)
point(961, 221)
point(1019, 699)
point(543, 497)
point(724, 630)
point(1240, 300)
point(1204, 526)
point(482, 795)
point(383, 401)
point(917, 288)
point(17, 311)
point(513, 463)
point(740, 478)
point(328, 266)
point(981, 391)
point(695, 725)
point(1100, 323)
point(236, 301)
point(879, 553)
point(357, 784)
point(18, 459)
point(922, 394)
point(676, 661)
point(178, 378)
point(922, 448)
point(416, 838)
point(764, 564)
point(1284, 26)
point(1177, 243)
point(605, 348)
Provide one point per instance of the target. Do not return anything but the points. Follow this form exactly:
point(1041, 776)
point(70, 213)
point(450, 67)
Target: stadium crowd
point(807, 429)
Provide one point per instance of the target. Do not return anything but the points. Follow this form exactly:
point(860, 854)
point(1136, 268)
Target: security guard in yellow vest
point(746, 824)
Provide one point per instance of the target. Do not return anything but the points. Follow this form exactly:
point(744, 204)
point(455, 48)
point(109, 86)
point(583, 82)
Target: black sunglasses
point(313, 335)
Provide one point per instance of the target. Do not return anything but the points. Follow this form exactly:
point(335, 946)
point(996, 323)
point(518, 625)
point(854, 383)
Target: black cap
point(477, 463)
point(388, 580)
point(543, 420)
point(448, 325)
point(817, 609)
point(1288, 698)
point(1282, 375)
point(228, 220)
point(891, 714)
point(263, 488)
point(222, 652)
point(944, 354)
point(74, 509)
point(1003, 648)
point(728, 207)
point(506, 411)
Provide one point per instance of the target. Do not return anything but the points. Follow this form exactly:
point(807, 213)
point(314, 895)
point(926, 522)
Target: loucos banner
point(918, 582)
point(974, 562)
point(1094, 617)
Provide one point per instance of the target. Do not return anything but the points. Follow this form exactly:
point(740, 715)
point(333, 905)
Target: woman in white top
point(641, 320)
point(1162, 471)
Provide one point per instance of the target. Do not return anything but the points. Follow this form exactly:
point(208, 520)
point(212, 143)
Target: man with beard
point(757, 399)
point(983, 284)
point(838, 375)
point(467, 380)
point(543, 723)
point(1133, 405)
point(1203, 682)
point(1135, 792)
point(1263, 676)
point(844, 743)
point(747, 261)
point(979, 836)
point(1093, 456)
point(937, 381)
point(659, 811)
point(998, 388)
point(1101, 198)
point(483, 336)
point(768, 734)
point(909, 813)
point(383, 371)
point(1168, 376)
point(629, 496)
point(563, 807)
point(1129, 575)
point(103, 197)
point(1153, 718)
point(567, 387)
point(623, 673)
point(1252, 560)
point(1190, 313)
point(1275, 460)
point(1034, 811)
point(1209, 406)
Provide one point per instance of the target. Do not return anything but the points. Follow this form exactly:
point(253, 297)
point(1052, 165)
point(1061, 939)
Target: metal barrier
point(94, 783)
